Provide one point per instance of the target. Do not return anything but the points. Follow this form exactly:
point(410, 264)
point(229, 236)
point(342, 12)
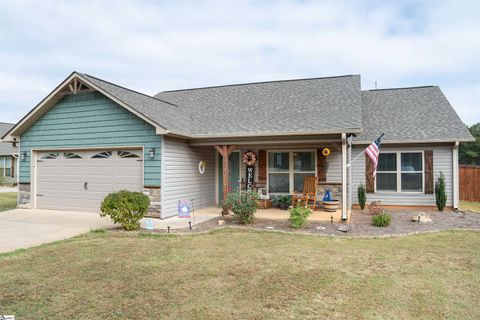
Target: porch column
point(225, 152)
point(344, 177)
point(456, 180)
point(349, 177)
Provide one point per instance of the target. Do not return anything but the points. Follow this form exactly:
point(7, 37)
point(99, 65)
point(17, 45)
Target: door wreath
point(249, 158)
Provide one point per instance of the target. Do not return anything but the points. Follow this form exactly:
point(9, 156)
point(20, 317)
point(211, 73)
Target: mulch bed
point(360, 225)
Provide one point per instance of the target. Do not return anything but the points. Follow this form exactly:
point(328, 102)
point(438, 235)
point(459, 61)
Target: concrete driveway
point(23, 228)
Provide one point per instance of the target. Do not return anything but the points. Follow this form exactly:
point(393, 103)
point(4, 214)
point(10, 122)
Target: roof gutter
point(449, 140)
point(274, 134)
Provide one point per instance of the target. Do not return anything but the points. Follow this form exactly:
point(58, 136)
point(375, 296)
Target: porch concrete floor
point(277, 214)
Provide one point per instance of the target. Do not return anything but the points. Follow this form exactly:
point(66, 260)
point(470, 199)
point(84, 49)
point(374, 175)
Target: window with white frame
point(287, 170)
point(6, 166)
point(400, 172)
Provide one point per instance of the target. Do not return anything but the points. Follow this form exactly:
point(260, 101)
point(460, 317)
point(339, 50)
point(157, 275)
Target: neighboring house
point(8, 157)
point(89, 137)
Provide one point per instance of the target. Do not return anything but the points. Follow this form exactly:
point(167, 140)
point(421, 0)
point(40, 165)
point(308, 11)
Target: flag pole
point(354, 159)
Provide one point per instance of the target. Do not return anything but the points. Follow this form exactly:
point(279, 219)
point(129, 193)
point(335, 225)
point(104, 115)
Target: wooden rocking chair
point(309, 195)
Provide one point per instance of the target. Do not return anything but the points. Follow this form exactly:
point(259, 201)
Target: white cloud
point(152, 46)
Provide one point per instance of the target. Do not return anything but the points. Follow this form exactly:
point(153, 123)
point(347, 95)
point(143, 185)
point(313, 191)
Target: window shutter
point(262, 166)
point(370, 181)
point(428, 171)
point(321, 166)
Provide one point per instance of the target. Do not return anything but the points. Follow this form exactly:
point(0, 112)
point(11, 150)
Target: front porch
point(278, 214)
point(279, 168)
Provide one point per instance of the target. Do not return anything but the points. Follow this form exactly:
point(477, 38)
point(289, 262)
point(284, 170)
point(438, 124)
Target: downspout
point(344, 176)
point(456, 180)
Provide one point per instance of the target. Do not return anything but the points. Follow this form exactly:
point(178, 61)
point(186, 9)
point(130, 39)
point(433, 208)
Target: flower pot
point(330, 206)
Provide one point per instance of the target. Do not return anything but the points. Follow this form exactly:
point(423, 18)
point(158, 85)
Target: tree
point(469, 152)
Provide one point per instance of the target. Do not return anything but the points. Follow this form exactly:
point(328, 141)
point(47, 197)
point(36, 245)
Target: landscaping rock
point(424, 218)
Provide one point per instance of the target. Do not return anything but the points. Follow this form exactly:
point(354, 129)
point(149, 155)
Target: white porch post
point(349, 176)
point(456, 180)
point(344, 176)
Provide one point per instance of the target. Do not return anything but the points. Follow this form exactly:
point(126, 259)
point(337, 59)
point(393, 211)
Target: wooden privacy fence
point(469, 183)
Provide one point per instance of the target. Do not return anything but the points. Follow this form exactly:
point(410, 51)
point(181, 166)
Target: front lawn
point(470, 205)
point(241, 274)
point(8, 201)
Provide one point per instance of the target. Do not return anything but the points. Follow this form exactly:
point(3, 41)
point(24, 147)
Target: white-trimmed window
point(400, 172)
point(6, 167)
point(287, 170)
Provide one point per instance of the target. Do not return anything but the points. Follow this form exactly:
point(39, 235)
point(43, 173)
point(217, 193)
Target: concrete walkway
point(177, 223)
point(23, 228)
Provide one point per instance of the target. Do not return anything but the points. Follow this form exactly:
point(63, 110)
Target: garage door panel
point(61, 181)
point(73, 194)
point(129, 180)
point(73, 186)
point(100, 170)
point(126, 186)
point(98, 187)
point(73, 171)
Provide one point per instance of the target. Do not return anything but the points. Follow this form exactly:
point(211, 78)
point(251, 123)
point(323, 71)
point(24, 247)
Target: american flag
point(373, 151)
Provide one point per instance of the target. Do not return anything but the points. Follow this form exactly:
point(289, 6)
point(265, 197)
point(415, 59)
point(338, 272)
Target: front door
point(233, 174)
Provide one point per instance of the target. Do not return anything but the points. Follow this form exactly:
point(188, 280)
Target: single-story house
point(8, 157)
point(89, 137)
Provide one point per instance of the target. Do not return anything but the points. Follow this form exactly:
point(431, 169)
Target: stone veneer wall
point(24, 195)
point(155, 205)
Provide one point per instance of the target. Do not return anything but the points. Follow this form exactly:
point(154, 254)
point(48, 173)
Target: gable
point(89, 120)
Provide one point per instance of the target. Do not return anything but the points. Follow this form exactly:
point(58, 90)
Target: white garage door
point(79, 180)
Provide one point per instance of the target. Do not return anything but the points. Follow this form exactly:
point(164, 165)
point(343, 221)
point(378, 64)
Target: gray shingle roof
point(410, 114)
point(318, 105)
point(167, 115)
point(6, 148)
point(304, 106)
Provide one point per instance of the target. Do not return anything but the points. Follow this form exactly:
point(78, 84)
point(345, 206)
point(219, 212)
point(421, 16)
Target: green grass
point(8, 201)
point(239, 274)
point(470, 205)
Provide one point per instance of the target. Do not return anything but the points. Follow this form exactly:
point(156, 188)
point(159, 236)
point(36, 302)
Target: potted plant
point(330, 204)
point(282, 202)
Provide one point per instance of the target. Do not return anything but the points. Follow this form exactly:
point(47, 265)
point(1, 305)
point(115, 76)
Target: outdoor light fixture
point(151, 153)
point(23, 155)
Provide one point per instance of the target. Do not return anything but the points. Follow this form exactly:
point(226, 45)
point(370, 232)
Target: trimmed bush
point(381, 220)
point(440, 195)
point(299, 215)
point(243, 205)
point(126, 208)
point(362, 196)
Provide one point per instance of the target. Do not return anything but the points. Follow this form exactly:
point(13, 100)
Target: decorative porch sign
point(184, 208)
point(149, 224)
point(249, 159)
point(202, 165)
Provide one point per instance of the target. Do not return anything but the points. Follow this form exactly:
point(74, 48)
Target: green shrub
point(362, 196)
point(299, 215)
point(381, 220)
point(440, 195)
point(243, 205)
point(126, 208)
point(282, 202)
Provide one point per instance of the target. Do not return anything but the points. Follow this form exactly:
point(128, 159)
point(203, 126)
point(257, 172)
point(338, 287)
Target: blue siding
point(91, 120)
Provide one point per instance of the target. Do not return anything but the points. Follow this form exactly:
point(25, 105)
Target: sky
point(152, 46)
